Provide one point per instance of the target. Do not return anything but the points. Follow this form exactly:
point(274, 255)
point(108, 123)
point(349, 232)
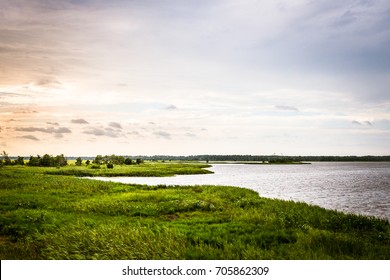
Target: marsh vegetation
point(46, 216)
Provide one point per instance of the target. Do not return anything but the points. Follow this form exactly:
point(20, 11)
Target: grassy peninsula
point(134, 170)
point(47, 214)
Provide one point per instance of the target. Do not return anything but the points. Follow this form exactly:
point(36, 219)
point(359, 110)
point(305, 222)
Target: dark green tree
point(79, 161)
point(120, 160)
point(6, 159)
point(20, 160)
point(34, 161)
point(60, 160)
point(46, 160)
point(98, 159)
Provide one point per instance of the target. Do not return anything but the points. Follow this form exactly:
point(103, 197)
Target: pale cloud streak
point(79, 121)
point(286, 108)
point(30, 137)
point(57, 132)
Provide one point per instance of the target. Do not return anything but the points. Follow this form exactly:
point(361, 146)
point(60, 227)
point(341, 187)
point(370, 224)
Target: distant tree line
point(7, 160)
point(45, 160)
point(269, 158)
point(48, 161)
point(108, 160)
point(114, 159)
point(60, 160)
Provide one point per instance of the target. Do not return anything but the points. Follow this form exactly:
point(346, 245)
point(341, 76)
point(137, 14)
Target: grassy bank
point(142, 170)
point(43, 216)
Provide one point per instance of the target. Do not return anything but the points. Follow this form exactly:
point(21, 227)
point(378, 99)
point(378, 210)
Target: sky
point(175, 77)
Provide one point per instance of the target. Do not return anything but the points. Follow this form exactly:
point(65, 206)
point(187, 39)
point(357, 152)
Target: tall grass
point(62, 217)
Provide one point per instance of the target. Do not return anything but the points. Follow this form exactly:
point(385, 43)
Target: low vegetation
point(46, 216)
point(139, 170)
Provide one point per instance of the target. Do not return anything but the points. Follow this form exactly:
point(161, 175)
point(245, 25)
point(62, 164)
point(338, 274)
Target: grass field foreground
point(46, 216)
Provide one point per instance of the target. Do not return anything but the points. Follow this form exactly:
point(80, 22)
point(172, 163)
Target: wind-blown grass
point(62, 217)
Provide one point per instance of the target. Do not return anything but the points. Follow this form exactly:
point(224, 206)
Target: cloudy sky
point(87, 77)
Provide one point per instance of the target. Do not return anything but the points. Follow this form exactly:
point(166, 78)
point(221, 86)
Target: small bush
point(110, 165)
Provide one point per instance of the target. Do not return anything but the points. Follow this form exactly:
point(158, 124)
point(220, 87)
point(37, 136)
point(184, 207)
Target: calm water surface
point(358, 187)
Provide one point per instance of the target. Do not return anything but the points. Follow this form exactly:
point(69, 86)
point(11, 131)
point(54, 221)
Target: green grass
point(43, 216)
point(142, 170)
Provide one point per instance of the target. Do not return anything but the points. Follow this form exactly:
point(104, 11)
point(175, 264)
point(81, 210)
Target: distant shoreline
point(244, 158)
point(256, 163)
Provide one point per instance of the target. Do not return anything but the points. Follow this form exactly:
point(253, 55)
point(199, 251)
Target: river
point(354, 187)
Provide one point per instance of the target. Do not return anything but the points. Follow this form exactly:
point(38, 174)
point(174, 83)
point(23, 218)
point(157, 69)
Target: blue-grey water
point(355, 187)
